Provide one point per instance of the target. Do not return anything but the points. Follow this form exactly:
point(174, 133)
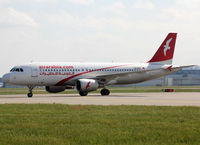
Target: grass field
point(89, 125)
point(11, 91)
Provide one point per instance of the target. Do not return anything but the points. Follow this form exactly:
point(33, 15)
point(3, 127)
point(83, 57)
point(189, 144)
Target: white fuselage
point(60, 74)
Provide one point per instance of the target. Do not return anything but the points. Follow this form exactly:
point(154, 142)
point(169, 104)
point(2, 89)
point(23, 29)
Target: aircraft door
point(34, 72)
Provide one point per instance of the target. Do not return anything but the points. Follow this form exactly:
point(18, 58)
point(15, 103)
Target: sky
point(96, 30)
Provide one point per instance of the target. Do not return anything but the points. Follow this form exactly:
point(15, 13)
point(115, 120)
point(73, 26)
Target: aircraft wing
point(139, 76)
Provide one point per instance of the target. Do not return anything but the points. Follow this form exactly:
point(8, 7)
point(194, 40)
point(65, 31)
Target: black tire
point(30, 95)
point(83, 93)
point(105, 92)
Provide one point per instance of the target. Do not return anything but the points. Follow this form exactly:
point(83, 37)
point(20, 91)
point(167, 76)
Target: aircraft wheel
point(30, 95)
point(83, 93)
point(105, 92)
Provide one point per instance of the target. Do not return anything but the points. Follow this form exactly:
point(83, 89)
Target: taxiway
point(158, 99)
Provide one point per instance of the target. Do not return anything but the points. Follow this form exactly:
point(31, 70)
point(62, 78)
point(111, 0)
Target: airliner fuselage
point(60, 74)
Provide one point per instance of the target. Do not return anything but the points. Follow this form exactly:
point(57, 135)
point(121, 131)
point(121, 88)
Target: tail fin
point(164, 54)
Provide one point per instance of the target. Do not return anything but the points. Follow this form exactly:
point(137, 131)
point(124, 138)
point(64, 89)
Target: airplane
point(87, 77)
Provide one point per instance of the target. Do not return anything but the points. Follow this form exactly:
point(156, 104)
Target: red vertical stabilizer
point(164, 54)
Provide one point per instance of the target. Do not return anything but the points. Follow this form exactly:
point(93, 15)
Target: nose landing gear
point(30, 94)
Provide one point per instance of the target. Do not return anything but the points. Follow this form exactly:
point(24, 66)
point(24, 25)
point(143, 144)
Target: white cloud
point(184, 10)
point(43, 1)
point(143, 4)
point(191, 4)
point(10, 2)
point(88, 22)
point(67, 19)
point(11, 17)
point(184, 14)
point(82, 2)
point(61, 18)
point(2, 2)
point(116, 8)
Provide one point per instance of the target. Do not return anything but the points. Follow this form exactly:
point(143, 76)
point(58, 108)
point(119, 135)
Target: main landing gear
point(83, 93)
point(105, 92)
point(30, 94)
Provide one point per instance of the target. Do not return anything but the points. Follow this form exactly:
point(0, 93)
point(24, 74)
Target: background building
point(185, 77)
point(1, 83)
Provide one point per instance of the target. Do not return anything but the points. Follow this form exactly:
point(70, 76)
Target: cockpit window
point(13, 69)
point(16, 70)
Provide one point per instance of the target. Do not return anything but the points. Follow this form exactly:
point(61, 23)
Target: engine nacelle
point(87, 85)
point(55, 89)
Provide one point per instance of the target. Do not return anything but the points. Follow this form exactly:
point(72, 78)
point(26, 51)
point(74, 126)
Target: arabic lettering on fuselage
point(56, 73)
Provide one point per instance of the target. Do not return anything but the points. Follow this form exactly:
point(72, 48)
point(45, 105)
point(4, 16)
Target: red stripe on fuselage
point(71, 77)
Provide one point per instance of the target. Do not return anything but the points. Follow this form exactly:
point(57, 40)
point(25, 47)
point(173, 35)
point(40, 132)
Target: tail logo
point(166, 46)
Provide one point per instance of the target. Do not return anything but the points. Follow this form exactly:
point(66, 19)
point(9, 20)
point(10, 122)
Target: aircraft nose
point(6, 78)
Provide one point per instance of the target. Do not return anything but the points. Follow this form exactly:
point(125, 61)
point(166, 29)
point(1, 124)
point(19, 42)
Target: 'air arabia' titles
point(55, 67)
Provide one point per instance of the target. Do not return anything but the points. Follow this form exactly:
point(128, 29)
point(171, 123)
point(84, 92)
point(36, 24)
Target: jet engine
point(87, 85)
point(55, 89)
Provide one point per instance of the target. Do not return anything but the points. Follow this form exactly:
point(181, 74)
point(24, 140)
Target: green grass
point(55, 124)
point(12, 91)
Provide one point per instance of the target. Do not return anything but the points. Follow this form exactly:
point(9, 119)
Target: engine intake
point(87, 85)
